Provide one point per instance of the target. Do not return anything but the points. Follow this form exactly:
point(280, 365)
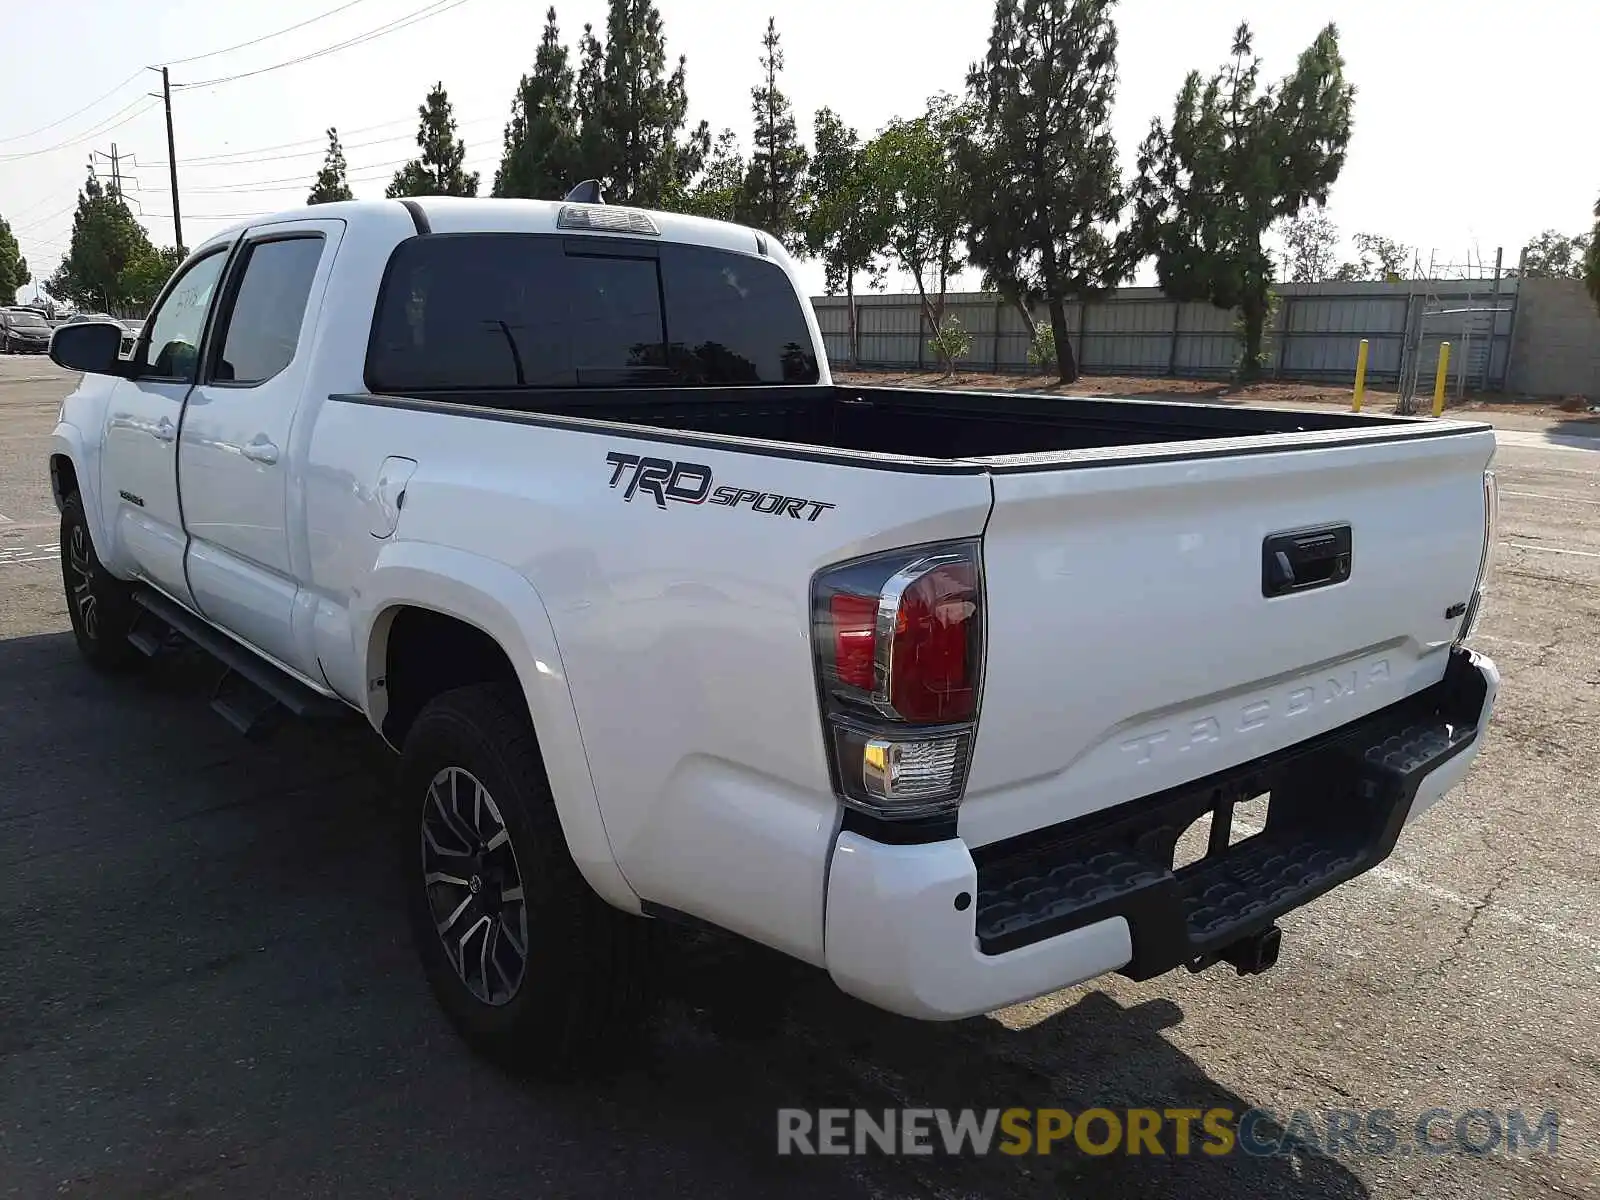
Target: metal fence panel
point(1139, 331)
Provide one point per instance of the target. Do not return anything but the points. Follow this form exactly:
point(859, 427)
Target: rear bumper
point(938, 931)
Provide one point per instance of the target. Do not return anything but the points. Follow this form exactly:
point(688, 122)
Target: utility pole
point(172, 164)
point(172, 160)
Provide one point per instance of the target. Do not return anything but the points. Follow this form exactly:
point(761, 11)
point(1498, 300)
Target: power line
point(18, 137)
point(321, 145)
point(265, 37)
point(422, 14)
point(94, 133)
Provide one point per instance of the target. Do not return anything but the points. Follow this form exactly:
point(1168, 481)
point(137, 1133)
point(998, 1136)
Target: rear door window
point(487, 311)
point(263, 328)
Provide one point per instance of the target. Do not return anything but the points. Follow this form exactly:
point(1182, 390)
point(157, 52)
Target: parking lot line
point(1552, 549)
point(1549, 496)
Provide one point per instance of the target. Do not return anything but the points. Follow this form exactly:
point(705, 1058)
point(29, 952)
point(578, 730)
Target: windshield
point(27, 320)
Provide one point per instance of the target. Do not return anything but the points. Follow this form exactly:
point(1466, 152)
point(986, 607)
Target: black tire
point(99, 604)
point(580, 1000)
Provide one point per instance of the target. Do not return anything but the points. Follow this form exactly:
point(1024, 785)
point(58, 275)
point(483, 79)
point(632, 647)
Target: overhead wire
point(18, 137)
point(265, 37)
point(414, 17)
point(142, 105)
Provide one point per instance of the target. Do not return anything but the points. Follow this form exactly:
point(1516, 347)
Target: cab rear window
point(490, 311)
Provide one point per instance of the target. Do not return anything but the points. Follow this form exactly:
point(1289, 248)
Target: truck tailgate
point(1131, 647)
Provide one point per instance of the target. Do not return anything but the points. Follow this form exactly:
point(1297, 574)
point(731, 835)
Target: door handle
point(165, 430)
point(260, 450)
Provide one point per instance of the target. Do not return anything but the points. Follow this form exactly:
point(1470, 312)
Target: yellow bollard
point(1440, 378)
point(1361, 375)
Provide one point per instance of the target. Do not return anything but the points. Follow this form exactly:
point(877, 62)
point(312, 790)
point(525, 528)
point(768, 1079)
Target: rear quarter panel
point(683, 632)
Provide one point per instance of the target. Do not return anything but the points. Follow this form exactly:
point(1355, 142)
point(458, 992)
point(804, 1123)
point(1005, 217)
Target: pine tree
point(106, 264)
point(720, 190)
point(13, 267)
point(437, 171)
point(331, 182)
point(1045, 151)
point(541, 145)
point(778, 160)
point(1235, 160)
point(631, 113)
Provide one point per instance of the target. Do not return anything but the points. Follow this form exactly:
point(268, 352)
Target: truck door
point(139, 481)
point(234, 452)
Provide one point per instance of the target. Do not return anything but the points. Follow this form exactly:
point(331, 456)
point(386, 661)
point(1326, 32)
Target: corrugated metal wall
point(1138, 331)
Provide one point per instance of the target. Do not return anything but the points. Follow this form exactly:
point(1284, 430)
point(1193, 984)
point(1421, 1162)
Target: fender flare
point(504, 605)
point(66, 441)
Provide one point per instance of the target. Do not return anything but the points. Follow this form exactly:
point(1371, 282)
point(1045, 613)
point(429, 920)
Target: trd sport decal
point(691, 483)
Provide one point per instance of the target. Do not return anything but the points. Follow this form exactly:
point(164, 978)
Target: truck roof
point(457, 214)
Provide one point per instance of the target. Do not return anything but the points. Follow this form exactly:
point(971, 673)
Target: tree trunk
point(1066, 361)
point(1255, 316)
point(850, 310)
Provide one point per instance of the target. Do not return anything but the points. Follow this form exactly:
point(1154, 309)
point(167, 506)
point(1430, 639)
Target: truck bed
point(923, 423)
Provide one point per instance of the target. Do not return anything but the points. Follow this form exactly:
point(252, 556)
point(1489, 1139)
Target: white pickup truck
point(920, 687)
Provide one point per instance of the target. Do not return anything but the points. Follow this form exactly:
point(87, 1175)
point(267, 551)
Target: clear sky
point(1473, 122)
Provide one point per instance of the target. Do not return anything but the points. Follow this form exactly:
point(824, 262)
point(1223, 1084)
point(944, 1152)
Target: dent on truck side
point(503, 605)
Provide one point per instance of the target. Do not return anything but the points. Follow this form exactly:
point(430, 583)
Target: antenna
point(587, 192)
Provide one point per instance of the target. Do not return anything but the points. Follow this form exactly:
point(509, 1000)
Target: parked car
point(23, 331)
point(920, 687)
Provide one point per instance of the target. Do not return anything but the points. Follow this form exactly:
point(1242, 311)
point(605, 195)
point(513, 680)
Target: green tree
point(107, 263)
point(144, 278)
point(437, 170)
point(1377, 258)
point(13, 267)
point(777, 160)
point(1234, 160)
point(719, 190)
point(1555, 255)
point(331, 183)
point(1310, 241)
point(1591, 259)
point(541, 146)
point(919, 197)
point(631, 113)
point(840, 224)
point(1044, 150)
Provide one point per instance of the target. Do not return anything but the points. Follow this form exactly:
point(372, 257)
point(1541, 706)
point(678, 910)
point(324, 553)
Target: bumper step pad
point(1337, 806)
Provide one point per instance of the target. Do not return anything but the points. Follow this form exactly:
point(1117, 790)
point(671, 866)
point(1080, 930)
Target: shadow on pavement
point(206, 987)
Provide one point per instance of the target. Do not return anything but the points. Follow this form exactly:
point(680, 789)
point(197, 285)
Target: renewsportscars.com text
point(1258, 1132)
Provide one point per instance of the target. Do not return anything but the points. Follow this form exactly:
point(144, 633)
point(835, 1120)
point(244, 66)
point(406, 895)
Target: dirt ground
point(1213, 391)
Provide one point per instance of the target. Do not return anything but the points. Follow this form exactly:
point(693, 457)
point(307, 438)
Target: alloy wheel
point(474, 886)
point(83, 597)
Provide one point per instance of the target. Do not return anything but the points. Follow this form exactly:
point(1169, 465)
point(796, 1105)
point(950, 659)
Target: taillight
point(899, 646)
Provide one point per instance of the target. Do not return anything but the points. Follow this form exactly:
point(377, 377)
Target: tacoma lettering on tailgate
point(1336, 687)
point(690, 483)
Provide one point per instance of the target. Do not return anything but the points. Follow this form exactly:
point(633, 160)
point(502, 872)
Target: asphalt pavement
point(206, 987)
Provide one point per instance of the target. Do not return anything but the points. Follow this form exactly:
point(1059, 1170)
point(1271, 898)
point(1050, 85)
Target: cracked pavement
point(206, 987)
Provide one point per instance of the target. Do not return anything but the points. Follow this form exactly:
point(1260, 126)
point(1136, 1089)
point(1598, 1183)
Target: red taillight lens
point(855, 627)
point(900, 700)
point(932, 667)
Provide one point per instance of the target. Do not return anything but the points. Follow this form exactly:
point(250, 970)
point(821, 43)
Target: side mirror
point(93, 347)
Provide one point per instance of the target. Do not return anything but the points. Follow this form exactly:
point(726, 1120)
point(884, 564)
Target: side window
point(173, 350)
point(263, 325)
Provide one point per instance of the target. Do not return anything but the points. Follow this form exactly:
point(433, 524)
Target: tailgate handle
point(1304, 559)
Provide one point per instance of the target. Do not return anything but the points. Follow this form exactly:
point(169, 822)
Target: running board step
point(251, 687)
